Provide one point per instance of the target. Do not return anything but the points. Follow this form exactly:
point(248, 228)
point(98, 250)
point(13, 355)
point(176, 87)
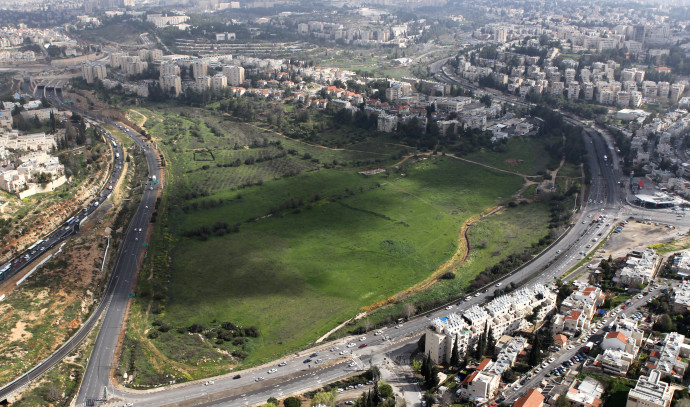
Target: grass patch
point(524, 155)
point(317, 267)
point(670, 247)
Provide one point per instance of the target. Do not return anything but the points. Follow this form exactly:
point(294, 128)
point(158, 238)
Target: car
point(351, 345)
point(498, 284)
point(468, 298)
point(477, 294)
point(340, 390)
point(538, 370)
point(398, 326)
point(129, 404)
point(345, 352)
point(258, 379)
point(449, 307)
point(349, 402)
point(235, 377)
point(313, 355)
point(551, 360)
point(352, 364)
point(317, 361)
point(378, 332)
point(307, 361)
point(516, 388)
point(208, 383)
point(558, 251)
point(364, 338)
point(272, 370)
point(364, 345)
point(333, 349)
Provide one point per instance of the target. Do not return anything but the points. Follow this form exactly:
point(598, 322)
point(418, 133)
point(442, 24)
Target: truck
point(5, 268)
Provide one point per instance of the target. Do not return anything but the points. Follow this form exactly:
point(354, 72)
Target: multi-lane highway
point(70, 227)
point(41, 248)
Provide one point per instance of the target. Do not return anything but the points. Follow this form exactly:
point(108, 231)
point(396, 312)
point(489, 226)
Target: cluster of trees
point(204, 204)
point(218, 229)
point(429, 372)
point(582, 108)
point(381, 395)
point(486, 343)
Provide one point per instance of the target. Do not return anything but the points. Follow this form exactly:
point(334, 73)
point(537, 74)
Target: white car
point(282, 364)
point(272, 370)
point(398, 326)
point(352, 364)
point(449, 307)
point(364, 338)
point(477, 294)
point(351, 345)
point(258, 379)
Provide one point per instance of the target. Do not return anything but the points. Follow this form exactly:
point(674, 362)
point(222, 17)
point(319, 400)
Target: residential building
point(670, 356)
point(650, 391)
point(586, 393)
point(441, 337)
point(387, 123)
point(235, 75)
point(640, 267)
point(619, 341)
point(219, 82)
point(480, 386)
point(93, 72)
point(199, 68)
point(507, 356)
point(171, 84)
point(533, 398)
point(613, 361)
point(681, 297)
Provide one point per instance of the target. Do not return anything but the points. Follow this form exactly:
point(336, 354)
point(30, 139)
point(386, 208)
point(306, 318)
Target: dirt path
point(450, 265)
point(142, 115)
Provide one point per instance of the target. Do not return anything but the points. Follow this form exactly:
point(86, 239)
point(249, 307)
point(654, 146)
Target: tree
point(292, 402)
point(409, 310)
point(454, 356)
point(562, 401)
point(533, 357)
point(272, 400)
point(490, 341)
point(486, 100)
point(385, 390)
point(325, 398)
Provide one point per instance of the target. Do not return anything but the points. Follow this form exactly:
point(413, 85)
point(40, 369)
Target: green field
point(305, 241)
point(524, 155)
point(296, 275)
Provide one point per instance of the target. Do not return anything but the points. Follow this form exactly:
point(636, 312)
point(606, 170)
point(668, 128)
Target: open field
point(294, 241)
point(511, 230)
point(296, 275)
point(524, 155)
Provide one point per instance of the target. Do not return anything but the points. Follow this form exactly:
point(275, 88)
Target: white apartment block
point(650, 391)
point(219, 82)
point(507, 356)
point(668, 357)
point(93, 72)
point(681, 297)
point(169, 68)
point(614, 362)
point(587, 393)
point(503, 315)
point(160, 20)
point(620, 341)
point(235, 75)
point(640, 268)
point(387, 123)
point(202, 83)
point(398, 90)
point(199, 68)
point(171, 84)
point(481, 386)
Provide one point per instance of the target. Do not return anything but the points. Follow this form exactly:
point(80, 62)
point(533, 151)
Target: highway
point(69, 228)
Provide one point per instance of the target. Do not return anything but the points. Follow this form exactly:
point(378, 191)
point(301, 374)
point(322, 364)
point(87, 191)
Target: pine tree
point(454, 356)
point(490, 341)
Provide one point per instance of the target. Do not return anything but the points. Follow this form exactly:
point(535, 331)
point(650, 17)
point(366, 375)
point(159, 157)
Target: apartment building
point(586, 393)
point(613, 362)
point(507, 355)
point(479, 385)
point(620, 341)
point(235, 74)
point(387, 123)
point(650, 391)
point(171, 84)
point(93, 72)
point(441, 337)
point(669, 357)
point(199, 68)
point(640, 267)
point(219, 82)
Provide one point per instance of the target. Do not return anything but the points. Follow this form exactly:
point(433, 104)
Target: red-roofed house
point(532, 399)
point(571, 322)
point(480, 385)
point(485, 364)
point(560, 340)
